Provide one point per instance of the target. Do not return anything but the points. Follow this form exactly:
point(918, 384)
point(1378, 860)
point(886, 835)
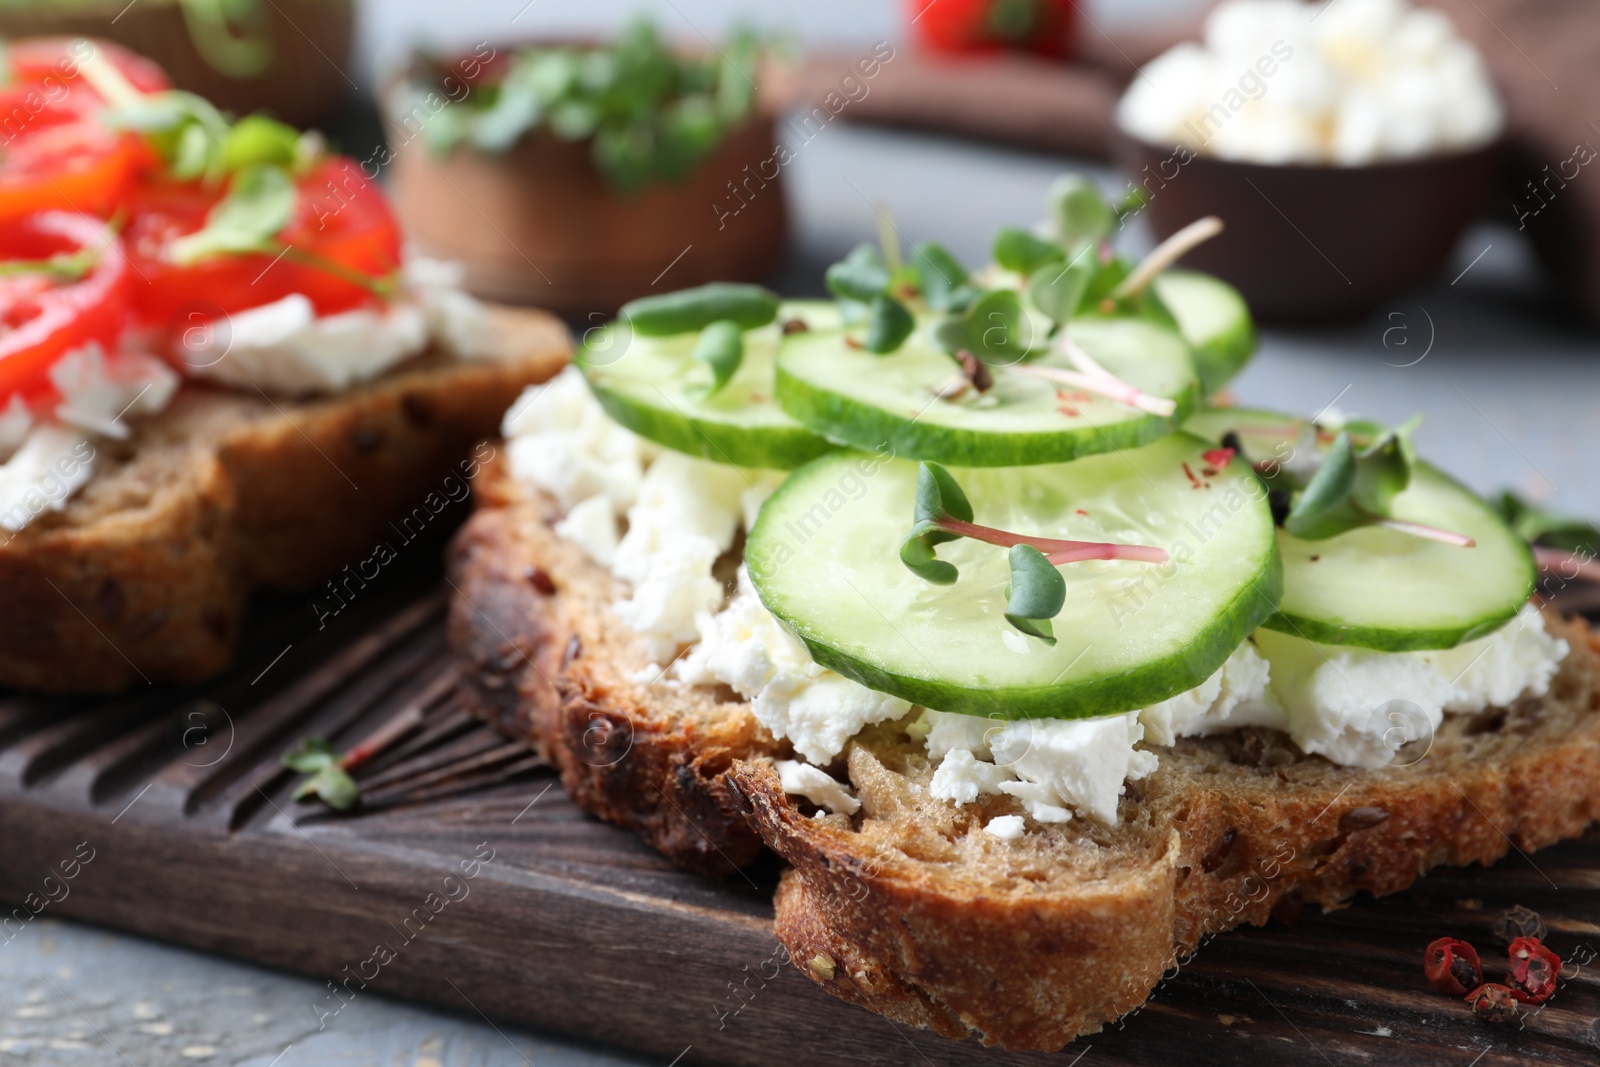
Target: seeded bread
point(909, 907)
point(145, 573)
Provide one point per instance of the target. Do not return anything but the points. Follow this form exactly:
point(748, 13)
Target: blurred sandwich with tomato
point(220, 370)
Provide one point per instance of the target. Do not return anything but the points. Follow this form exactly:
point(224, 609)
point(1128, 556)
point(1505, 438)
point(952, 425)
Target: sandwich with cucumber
point(965, 594)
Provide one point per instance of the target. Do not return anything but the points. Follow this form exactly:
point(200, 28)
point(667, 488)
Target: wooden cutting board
point(171, 814)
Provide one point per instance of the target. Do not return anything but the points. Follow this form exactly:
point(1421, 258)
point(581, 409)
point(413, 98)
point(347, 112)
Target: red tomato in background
point(1044, 27)
point(342, 217)
point(42, 317)
point(54, 153)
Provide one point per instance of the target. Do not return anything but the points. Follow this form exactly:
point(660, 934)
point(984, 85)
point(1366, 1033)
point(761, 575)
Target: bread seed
point(1361, 819)
point(110, 601)
point(418, 411)
point(822, 967)
point(541, 581)
point(1217, 855)
point(364, 439)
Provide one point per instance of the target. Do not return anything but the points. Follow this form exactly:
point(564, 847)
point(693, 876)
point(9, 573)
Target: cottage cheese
point(97, 391)
point(817, 786)
point(1051, 765)
point(1056, 765)
point(46, 462)
point(746, 648)
point(1006, 827)
point(1349, 82)
point(563, 443)
point(15, 422)
point(1360, 708)
point(286, 347)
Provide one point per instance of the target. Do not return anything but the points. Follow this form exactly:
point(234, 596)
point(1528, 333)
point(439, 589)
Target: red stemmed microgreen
point(1561, 544)
point(1091, 377)
point(330, 772)
point(1037, 591)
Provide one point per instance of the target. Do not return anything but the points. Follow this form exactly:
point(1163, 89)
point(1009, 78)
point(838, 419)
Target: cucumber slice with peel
point(1214, 319)
point(1380, 588)
point(894, 401)
point(654, 387)
point(824, 558)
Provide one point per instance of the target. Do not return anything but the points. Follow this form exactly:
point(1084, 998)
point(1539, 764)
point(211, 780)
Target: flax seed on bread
point(908, 907)
point(145, 573)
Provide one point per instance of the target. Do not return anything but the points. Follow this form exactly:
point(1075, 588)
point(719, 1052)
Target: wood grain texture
point(577, 927)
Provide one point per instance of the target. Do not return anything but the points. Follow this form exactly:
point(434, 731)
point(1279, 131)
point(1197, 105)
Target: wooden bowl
point(304, 85)
point(1315, 243)
point(541, 225)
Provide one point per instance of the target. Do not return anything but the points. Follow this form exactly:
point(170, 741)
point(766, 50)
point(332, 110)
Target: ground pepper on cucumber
point(995, 508)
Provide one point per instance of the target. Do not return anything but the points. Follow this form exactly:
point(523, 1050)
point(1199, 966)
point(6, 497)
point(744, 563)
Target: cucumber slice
point(1214, 319)
point(825, 558)
point(652, 385)
point(891, 402)
point(1382, 589)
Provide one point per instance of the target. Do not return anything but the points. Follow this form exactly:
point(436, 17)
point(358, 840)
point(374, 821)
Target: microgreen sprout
point(1165, 255)
point(1561, 545)
point(1354, 483)
point(1091, 377)
point(1037, 591)
point(721, 347)
point(330, 772)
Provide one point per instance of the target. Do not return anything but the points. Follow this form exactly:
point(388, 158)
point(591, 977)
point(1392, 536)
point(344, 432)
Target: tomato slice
point(342, 219)
point(56, 155)
point(42, 316)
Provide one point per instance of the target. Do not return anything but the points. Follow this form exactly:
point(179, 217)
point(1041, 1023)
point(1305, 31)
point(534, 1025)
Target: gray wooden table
point(1510, 386)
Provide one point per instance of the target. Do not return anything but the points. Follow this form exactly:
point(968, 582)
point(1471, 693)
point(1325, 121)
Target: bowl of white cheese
point(1346, 145)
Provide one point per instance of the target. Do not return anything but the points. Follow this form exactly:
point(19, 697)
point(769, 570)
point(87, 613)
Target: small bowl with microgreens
point(580, 175)
point(963, 586)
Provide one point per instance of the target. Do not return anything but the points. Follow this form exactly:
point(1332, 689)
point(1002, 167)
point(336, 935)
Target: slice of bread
point(909, 907)
point(550, 663)
point(145, 573)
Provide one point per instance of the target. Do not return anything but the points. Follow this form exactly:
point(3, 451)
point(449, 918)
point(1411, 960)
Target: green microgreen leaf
point(993, 329)
point(939, 495)
point(1036, 594)
point(259, 139)
point(313, 755)
point(1322, 509)
point(1020, 251)
point(1057, 288)
point(1384, 470)
point(939, 499)
point(1079, 212)
point(888, 325)
point(328, 780)
point(259, 203)
point(63, 267)
point(721, 347)
point(941, 278)
point(651, 114)
point(859, 276)
point(186, 130)
point(333, 786)
point(1538, 526)
point(1353, 489)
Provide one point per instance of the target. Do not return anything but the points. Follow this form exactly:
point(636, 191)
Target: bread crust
point(547, 662)
point(907, 908)
point(145, 574)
